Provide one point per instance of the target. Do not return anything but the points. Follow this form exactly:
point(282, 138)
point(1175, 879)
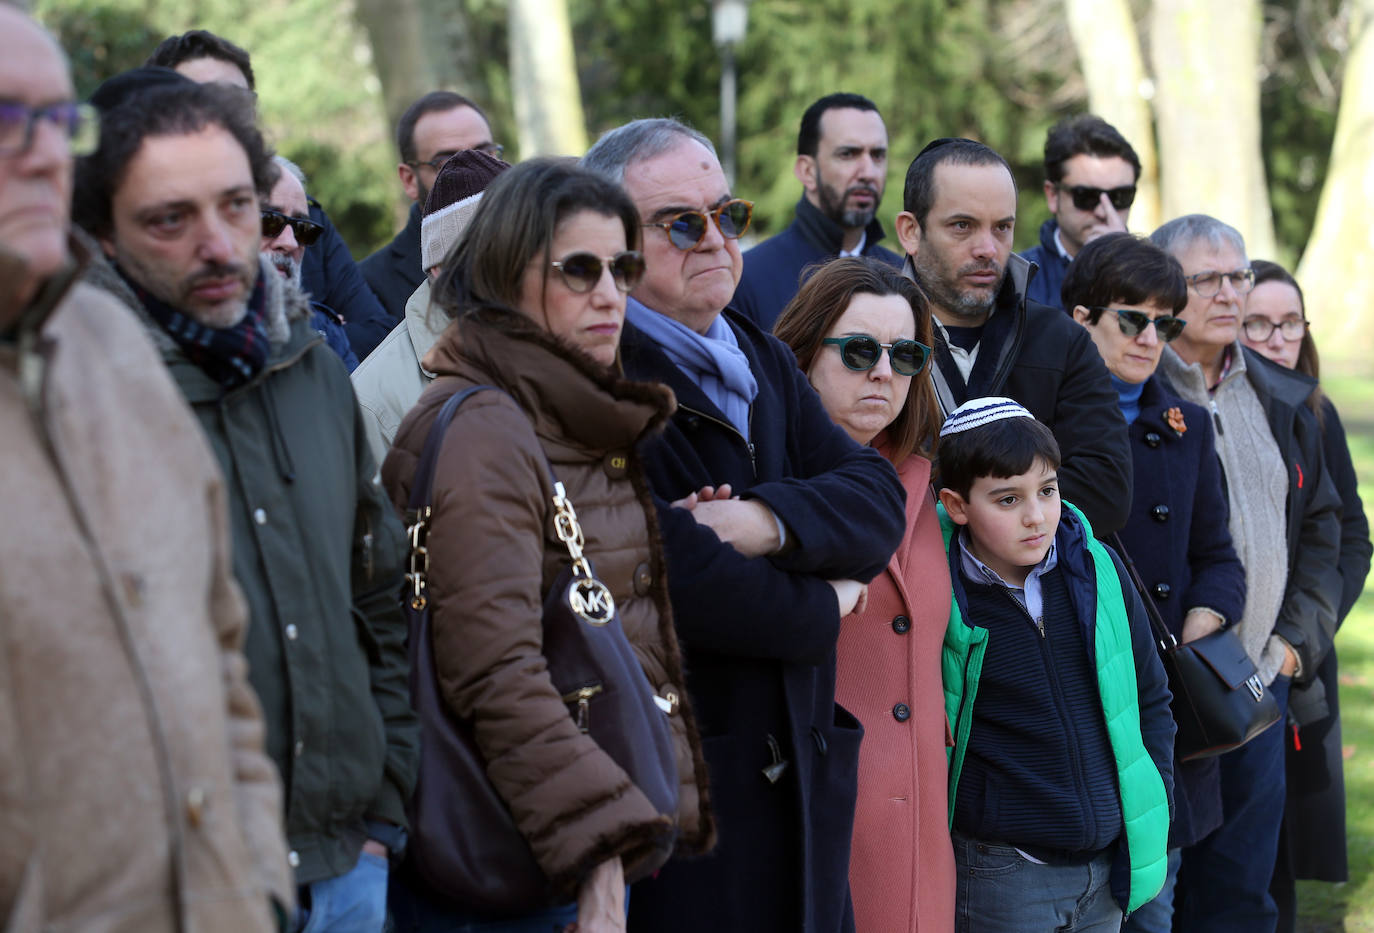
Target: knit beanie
point(977, 412)
point(453, 200)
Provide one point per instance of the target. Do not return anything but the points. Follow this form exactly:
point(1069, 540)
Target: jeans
point(1223, 885)
point(1000, 891)
point(1157, 916)
point(354, 902)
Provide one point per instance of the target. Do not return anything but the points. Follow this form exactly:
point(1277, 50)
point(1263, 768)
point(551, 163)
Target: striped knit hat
point(977, 412)
point(453, 200)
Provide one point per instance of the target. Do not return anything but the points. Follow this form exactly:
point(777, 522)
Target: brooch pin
point(1174, 417)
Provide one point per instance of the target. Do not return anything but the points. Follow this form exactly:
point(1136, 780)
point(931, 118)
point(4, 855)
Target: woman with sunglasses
point(862, 334)
point(1128, 292)
point(1313, 842)
point(537, 290)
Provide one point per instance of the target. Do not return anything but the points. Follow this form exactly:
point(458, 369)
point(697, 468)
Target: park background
point(1260, 113)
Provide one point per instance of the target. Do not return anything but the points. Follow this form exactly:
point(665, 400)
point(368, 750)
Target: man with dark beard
point(958, 217)
point(842, 165)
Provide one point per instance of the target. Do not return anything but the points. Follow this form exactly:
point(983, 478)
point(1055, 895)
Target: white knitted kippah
point(977, 412)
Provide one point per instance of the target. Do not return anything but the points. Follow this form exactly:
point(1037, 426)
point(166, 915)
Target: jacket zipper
point(748, 444)
point(1216, 416)
point(1039, 623)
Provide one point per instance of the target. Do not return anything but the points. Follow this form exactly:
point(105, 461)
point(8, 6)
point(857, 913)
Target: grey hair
point(636, 141)
point(1175, 236)
point(284, 163)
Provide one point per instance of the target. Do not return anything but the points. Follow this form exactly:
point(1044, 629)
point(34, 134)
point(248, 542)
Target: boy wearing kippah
point(1061, 773)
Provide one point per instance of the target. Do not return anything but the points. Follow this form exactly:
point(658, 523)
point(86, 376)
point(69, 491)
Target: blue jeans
point(354, 902)
point(1158, 915)
point(1001, 891)
point(1223, 886)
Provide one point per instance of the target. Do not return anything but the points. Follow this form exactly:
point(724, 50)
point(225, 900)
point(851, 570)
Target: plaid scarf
point(232, 355)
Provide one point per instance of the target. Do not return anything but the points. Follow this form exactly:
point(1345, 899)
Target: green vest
point(1144, 801)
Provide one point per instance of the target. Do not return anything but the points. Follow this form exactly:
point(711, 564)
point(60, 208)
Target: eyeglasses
point(687, 229)
point(305, 231)
point(860, 352)
point(582, 271)
point(79, 123)
point(1207, 284)
point(1088, 199)
point(495, 150)
point(1260, 329)
point(1133, 323)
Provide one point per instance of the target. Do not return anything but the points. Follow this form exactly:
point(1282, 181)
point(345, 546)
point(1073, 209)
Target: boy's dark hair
point(433, 102)
point(174, 109)
point(1122, 268)
point(918, 197)
point(200, 43)
point(1008, 447)
point(809, 137)
point(1085, 134)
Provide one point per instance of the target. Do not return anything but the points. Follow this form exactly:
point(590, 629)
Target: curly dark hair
point(201, 43)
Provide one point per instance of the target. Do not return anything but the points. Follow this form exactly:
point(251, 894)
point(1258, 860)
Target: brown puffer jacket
point(494, 554)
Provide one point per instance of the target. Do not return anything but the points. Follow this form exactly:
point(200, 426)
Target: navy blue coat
point(773, 269)
point(395, 271)
point(759, 640)
point(331, 277)
point(1178, 538)
point(1047, 282)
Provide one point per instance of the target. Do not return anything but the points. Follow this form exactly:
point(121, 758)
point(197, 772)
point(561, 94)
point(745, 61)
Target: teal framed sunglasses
point(860, 352)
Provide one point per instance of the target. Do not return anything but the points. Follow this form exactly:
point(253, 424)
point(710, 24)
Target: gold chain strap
point(588, 596)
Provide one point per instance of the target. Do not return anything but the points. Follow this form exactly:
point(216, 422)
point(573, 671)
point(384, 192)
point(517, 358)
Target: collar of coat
point(80, 252)
point(825, 234)
point(570, 399)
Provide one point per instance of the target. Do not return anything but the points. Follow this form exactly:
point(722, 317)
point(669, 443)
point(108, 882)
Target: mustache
point(991, 265)
point(862, 189)
point(217, 270)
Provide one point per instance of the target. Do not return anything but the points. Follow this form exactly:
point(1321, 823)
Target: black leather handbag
point(1219, 701)
point(464, 844)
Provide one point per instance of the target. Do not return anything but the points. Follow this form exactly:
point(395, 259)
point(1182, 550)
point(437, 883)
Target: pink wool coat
point(901, 870)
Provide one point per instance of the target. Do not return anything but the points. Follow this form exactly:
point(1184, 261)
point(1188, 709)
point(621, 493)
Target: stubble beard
point(854, 219)
point(971, 304)
point(179, 294)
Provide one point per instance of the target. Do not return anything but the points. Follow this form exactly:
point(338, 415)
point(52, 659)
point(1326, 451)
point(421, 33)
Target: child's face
point(1011, 520)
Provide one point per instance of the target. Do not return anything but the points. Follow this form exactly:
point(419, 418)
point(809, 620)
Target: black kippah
point(116, 90)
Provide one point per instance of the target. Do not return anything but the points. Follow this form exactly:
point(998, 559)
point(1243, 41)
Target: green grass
point(1327, 908)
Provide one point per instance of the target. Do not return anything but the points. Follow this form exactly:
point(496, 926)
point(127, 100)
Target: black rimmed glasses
point(1260, 329)
point(581, 271)
point(1208, 283)
point(1086, 198)
point(305, 231)
point(687, 229)
point(495, 150)
point(1133, 323)
point(860, 352)
point(79, 123)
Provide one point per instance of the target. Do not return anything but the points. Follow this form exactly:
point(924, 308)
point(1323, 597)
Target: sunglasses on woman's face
point(305, 231)
point(861, 353)
point(581, 271)
point(687, 229)
point(1133, 323)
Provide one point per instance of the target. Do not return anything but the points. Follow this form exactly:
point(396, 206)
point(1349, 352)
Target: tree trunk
point(396, 31)
point(1118, 89)
point(1206, 64)
point(544, 86)
point(1340, 254)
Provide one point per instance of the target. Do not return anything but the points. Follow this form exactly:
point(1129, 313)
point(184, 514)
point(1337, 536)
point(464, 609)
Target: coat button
point(195, 806)
point(644, 579)
point(668, 699)
point(291, 632)
point(293, 859)
point(901, 712)
point(1160, 513)
point(1152, 439)
point(260, 516)
point(821, 746)
point(616, 464)
point(1162, 590)
point(901, 625)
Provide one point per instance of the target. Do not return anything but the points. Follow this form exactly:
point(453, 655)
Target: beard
point(180, 293)
point(287, 266)
point(833, 205)
point(938, 284)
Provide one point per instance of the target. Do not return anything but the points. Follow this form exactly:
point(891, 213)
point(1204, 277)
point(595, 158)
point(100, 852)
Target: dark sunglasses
point(861, 353)
point(687, 229)
point(1133, 323)
point(1087, 199)
point(306, 231)
point(581, 271)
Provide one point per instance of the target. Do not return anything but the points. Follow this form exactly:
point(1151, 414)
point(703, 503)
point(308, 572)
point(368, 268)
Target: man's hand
point(1290, 662)
point(1115, 223)
point(373, 847)
point(1199, 623)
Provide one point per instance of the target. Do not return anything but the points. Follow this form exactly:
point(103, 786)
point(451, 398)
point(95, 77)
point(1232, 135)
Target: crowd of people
point(883, 530)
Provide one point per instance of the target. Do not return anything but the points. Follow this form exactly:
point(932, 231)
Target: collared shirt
point(857, 250)
point(1059, 245)
point(1030, 596)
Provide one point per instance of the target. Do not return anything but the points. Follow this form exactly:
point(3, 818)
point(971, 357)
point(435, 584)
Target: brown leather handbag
point(464, 845)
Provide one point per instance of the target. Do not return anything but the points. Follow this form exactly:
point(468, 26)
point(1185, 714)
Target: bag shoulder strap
point(422, 485)
point(1163, 636)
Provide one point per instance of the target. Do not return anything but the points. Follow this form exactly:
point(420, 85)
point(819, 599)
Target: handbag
point(464, 843)
point(1219, 701)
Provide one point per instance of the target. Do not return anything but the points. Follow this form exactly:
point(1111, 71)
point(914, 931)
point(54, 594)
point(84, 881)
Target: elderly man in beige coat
point(134, 791)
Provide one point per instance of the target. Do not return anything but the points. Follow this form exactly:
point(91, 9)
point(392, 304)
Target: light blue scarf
point(713, 361)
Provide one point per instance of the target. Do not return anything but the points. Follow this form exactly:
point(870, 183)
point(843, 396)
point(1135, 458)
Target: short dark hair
point(1085, 134)
point(809, 136)
point(919, 195)
point(1008, 447)
point(200, 43)
point(1122, 268)
point(433, 102)
point(165, 110)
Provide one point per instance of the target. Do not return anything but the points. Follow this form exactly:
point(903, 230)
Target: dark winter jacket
point(773, 269)
point(329, 326)
point(395, 271)
point(1042, 359)
point(1178, 538)
point(759, 638)
point(330, 276)
point(1048, 281)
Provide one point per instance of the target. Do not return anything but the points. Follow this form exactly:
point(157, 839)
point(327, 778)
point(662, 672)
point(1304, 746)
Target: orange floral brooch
point(1174, 417)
